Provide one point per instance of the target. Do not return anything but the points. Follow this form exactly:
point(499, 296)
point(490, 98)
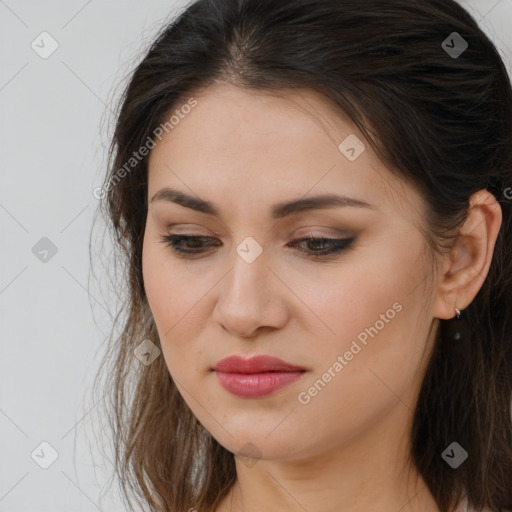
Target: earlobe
point(467, 265)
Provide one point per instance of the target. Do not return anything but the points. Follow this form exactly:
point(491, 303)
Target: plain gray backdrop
point(62, 68)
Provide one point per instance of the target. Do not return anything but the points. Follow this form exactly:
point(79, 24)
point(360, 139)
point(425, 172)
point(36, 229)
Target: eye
point(194, 242)
point(317, 247)
point(320, 246)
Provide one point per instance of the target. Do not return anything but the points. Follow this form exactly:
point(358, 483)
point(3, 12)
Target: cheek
point(351, 299)
point(167, 286)
point(374, 302)
point(366, 369)
point(381, 291)
point(177, 302)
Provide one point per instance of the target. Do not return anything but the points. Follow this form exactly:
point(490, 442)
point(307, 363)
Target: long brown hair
point(438, 119)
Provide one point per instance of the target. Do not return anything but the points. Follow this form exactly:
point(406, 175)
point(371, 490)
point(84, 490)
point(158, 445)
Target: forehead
point(256, 148)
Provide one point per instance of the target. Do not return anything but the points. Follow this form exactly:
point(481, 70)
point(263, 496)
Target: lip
point(255, 364)
point(256, 377)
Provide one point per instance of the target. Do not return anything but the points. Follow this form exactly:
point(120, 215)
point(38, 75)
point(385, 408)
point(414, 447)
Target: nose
point(251, 299)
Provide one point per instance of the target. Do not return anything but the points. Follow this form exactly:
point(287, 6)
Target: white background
point(55, 115)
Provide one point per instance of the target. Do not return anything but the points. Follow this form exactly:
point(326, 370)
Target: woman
point(313, 202)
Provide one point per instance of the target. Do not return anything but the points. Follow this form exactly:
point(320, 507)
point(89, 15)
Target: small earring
point(457, 334)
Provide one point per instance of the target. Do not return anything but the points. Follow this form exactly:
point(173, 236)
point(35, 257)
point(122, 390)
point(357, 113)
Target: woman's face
point(357, 321)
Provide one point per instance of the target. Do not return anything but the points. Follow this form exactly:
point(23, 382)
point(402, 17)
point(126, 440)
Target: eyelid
point(332, 232)
point(186, 229)
point(302, 231)
point(311, 233)
point(315, 232)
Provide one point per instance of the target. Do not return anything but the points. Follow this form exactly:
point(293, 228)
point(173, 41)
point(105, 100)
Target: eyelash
point(338, 245)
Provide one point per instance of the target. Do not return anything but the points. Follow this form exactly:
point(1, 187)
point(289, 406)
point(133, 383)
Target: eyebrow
point(278, 211)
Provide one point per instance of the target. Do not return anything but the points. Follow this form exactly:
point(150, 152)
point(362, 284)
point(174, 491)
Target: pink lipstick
point(256, 377)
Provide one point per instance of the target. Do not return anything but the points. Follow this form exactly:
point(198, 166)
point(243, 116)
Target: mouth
point(256, 377)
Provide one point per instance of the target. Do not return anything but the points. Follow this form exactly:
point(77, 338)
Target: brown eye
point(324, 246)
point(316, 247)
point(192, 244)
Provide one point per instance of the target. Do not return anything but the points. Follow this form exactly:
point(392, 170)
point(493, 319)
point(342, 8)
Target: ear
point(465, 268)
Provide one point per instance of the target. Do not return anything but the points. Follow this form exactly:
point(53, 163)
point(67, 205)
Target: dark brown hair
point(440, 121)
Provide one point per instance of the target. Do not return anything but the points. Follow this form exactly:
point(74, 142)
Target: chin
point(259, 445)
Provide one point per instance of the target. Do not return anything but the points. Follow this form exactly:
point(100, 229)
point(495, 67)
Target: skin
point(246, 151)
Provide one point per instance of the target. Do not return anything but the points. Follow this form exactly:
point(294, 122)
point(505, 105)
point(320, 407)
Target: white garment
point(464, 507)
